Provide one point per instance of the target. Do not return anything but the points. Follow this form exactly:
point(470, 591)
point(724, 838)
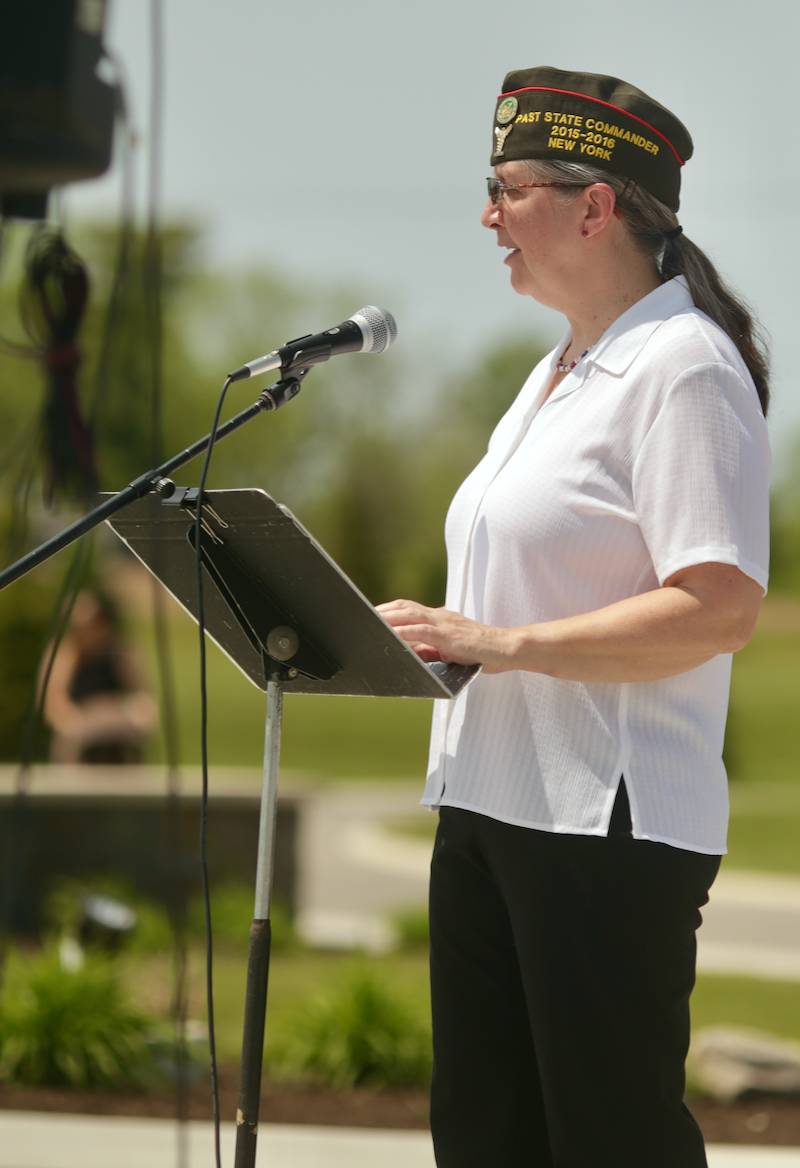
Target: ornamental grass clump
point(358, 1035)
point(70, 1028)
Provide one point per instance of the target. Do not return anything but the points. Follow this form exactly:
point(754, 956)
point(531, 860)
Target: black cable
point(152, 251)
point(153, 267)
point(201, 624)
point(173, 841)
point(52, 300)
point(53, 303)
point(20, 446)
point(20, 494)
point(32, 349)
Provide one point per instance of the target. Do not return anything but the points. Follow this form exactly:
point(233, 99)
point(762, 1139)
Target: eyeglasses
point(497, 188)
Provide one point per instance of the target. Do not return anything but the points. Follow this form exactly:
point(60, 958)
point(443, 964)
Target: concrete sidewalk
point(356, 873)
point(33, 1140)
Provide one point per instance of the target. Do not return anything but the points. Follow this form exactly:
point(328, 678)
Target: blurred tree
point(364, 511)
point(483, 395)
point(119, 367)
point(447, 444)
point(388, 485)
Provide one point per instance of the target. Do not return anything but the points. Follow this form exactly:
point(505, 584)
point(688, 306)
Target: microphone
point(370, 330)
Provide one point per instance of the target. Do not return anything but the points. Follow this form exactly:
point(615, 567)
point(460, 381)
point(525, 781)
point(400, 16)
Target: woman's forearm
point(656, 634)
point(704, 610)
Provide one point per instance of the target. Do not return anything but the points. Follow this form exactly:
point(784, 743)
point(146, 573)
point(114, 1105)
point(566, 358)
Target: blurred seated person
point(96, 705)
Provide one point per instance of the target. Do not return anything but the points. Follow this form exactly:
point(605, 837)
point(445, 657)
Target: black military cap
point(594, 119)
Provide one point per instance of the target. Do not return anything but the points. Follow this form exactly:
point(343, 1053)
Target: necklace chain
point(563, 366)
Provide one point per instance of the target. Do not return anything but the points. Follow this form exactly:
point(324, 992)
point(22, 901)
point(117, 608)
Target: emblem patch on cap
point(500, 139)
point(506, 110)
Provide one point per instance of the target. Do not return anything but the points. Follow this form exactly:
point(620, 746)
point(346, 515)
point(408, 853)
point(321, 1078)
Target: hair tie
point(676, 231)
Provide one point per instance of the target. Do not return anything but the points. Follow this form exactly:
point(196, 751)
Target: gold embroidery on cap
point(500, 135)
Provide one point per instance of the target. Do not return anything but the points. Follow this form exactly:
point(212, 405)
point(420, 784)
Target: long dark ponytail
point(650, 223)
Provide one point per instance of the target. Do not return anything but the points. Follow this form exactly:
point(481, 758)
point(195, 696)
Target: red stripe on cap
point(599, 101)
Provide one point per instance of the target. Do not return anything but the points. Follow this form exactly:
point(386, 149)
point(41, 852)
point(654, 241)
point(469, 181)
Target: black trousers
point(561, 969)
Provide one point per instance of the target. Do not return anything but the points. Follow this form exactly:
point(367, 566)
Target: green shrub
point(64, 1028)
point(358, 1035)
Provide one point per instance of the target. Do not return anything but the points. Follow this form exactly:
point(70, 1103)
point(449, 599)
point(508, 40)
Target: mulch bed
point(756, 1120)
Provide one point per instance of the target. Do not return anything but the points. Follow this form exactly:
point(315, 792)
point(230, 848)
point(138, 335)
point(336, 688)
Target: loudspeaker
point(56, 112)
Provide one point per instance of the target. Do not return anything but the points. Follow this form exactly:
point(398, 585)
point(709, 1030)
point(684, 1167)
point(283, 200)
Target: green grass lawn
point(764, 723)
point(297, 978)
point(773, 1006)
point(333, 737)
point(765, 827)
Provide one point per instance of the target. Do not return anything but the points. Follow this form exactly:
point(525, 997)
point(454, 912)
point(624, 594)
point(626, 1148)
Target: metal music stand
point(288, 617)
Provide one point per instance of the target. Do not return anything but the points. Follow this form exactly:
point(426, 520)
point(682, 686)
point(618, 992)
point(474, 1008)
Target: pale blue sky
point(349, 143)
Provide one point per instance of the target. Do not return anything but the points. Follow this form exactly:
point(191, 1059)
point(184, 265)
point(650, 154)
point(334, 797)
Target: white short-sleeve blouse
point(651, 456)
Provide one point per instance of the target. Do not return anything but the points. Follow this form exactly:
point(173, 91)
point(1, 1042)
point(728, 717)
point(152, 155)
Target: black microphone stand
point(156, 480)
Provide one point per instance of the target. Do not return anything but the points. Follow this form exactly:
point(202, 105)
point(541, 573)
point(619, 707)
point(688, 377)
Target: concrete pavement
point(356, 872)
point(33, 1140)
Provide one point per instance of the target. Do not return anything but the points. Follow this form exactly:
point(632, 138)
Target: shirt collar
point(623, 340)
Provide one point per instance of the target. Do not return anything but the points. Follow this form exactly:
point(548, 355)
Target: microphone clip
point(277, 395)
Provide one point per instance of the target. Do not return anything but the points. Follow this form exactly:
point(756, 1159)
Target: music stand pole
point(255, 1003)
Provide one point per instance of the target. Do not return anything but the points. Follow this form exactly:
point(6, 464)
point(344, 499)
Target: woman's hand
point(437, 634)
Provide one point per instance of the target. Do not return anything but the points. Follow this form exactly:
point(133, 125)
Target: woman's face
point(542, 229)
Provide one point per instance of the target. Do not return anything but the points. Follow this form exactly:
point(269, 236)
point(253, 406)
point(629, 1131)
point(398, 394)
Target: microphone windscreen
point(378, 326)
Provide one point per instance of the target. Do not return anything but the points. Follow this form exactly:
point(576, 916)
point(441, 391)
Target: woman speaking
point(606, 558)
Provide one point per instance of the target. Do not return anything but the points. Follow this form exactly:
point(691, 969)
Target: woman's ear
point(599, 205)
